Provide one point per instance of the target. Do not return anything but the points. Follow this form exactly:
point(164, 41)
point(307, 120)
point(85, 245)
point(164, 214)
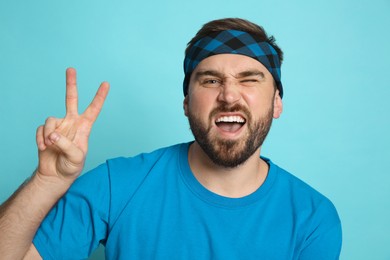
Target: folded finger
point(40, 139)
point(49, 127)
point(67, 147)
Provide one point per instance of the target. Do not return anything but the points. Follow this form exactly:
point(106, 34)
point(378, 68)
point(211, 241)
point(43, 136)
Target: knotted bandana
point(233, 42)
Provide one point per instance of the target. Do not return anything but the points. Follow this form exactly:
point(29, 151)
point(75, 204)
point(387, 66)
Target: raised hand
point(63, 142)
point(62, 145)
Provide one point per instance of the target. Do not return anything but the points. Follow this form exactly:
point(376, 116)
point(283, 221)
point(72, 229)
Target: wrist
point(52, 186)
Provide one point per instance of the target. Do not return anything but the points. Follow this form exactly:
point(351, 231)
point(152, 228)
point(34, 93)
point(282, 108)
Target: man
point(213, 198)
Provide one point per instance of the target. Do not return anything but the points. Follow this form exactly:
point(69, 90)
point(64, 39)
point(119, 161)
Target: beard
point(231, 153)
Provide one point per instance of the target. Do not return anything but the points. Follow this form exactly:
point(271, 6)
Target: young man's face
point(230, 105)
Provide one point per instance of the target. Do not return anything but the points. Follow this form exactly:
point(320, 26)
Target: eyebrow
point(243, 74)
point(250, 73)
point(209, 73)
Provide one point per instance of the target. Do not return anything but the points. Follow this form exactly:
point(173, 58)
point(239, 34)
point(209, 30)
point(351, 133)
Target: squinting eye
point(211, 82)
point(250, 80)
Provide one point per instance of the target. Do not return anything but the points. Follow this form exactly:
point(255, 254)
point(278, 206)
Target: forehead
point(230, 63)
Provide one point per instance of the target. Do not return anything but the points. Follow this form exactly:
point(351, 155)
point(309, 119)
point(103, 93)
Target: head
point(231, 98)
point(238, 24)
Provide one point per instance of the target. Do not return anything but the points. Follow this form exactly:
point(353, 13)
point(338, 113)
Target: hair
point(235, 24)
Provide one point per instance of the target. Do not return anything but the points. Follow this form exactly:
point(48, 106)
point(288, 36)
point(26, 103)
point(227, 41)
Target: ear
point(278, 105)
point(185, 105)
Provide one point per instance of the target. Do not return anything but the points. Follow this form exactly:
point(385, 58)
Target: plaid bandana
point(234, 42)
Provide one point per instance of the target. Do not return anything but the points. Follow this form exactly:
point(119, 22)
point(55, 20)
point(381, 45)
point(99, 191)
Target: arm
point(326, 246)
point(62, 147)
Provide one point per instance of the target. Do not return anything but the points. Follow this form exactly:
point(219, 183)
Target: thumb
point(67, 147)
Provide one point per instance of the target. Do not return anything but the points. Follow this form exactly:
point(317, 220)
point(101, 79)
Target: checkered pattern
point(234, 42)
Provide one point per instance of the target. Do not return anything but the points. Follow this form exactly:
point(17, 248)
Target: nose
point(229, 93)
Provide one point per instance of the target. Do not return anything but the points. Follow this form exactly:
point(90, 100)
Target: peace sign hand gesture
point(63, 142)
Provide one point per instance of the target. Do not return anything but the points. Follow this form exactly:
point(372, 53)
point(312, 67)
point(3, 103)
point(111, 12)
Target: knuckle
point(39, 129)
point(50, 119)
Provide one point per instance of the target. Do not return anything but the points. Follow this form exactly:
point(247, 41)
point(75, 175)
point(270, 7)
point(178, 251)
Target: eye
point(249, 82)
point(211, 82)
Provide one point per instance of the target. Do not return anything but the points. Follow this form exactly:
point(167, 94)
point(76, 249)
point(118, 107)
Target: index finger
point(71, 101)
point(93, 110)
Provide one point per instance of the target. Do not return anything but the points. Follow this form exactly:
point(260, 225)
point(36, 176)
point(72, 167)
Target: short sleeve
point(77, 224)
point(324, 242)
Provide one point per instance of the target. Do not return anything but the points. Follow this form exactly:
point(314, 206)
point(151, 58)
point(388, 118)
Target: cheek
point(251, 100)
point(259, 104)
point(200, 103)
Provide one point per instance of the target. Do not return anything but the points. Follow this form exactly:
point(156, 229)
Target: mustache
point(225, 108)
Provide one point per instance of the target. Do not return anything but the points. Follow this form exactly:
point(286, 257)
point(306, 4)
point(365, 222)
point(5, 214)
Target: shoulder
point(123, 175)
point(315, 215)
point(306, 200)
point(143, 161)
point(295, 186)
point(126, 175)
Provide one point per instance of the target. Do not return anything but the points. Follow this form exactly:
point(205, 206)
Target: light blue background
point(334, 132)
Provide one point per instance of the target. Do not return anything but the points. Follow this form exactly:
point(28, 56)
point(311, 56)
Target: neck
point(234, 182)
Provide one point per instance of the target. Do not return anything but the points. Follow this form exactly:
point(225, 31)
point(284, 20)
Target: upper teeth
point(231, 119)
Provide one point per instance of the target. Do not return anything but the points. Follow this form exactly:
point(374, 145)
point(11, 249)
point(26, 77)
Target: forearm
point(22, 213)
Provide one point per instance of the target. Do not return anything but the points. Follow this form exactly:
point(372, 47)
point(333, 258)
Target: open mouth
point(230, 123)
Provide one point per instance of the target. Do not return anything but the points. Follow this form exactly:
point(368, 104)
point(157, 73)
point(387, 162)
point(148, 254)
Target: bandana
point(233, 42)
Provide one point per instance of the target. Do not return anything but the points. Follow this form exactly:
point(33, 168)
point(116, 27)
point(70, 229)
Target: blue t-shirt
point(152, 207)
